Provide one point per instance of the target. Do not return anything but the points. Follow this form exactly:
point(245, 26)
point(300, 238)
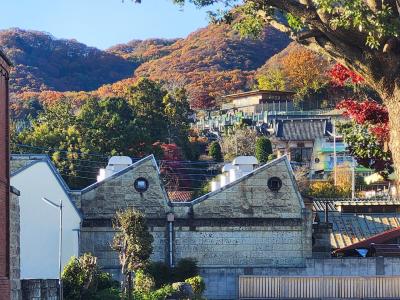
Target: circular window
point(141, 185)
point(274, 184)
point(317, 160)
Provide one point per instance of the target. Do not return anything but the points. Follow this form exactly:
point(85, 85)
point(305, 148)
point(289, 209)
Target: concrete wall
point(40, 222)
point(222, 283)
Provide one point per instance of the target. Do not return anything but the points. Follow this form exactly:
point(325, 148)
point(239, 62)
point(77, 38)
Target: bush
point(263, 149)
point(160, 294)
point(161, 273)
point(82, 279)
point(326, 189)
point(186, 268)
point(144, 283)
point(105, 281)
point(215, 152)
point(198, 286)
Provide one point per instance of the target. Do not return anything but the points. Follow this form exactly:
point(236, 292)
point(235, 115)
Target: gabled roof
point(127, 169)
point(302, 129)
point(379, 238)
point(243, 178)
point(28, 160)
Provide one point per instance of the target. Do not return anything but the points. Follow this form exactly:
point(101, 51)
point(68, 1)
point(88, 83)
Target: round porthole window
point(274, 184)
point(317, 160)
point(141, 185)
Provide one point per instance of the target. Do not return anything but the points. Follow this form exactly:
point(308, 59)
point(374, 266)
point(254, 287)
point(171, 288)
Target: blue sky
point(103, 23)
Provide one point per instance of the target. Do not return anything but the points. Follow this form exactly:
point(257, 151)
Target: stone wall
point(43, 289)
point(222, 283)
point(268, 245)
point(242, 224)
point(103, 199)
point(98, 240)
point(246, 224)
point(15, 269)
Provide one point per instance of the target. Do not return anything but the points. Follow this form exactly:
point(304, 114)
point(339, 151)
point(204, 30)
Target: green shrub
point(198, 285)
point(160, 294)
point(108, 294)
point(105, 281)
point(82, 279)
point(215, 152)
point(144, 283)
point(263, 149)
point(186, 268)
point(161, 273)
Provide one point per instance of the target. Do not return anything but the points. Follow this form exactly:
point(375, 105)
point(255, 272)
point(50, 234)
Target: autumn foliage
point(340, 75)
point(368, 112)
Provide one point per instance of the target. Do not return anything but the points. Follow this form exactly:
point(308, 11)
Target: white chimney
point(235, 174)
point(245, 164)
point(115, 164)
point(225, 178)
point(215, 185)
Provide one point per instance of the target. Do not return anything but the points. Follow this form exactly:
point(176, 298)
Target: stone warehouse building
point(257, 221)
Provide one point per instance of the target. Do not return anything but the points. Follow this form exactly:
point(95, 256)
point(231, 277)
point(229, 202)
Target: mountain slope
point(143, 50)
point(45, 63)
point(213, 61)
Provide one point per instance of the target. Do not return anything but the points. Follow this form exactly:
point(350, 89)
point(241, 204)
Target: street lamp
point(60, 207)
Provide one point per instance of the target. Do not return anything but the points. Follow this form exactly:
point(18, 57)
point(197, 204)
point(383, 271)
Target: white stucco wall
point(40, 222)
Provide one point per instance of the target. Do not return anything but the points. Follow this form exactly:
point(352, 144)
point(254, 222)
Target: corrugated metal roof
point(349, 228)
point(379, 239)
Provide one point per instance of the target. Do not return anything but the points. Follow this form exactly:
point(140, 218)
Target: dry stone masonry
point(244, 224)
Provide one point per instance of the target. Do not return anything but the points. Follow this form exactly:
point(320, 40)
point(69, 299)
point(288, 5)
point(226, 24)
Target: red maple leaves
point(368, 112)
point(340, 75)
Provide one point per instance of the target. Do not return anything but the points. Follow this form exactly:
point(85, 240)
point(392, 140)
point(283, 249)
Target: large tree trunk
point(393, 105)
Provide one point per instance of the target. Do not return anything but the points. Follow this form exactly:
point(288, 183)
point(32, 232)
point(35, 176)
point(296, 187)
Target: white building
point(36, 177)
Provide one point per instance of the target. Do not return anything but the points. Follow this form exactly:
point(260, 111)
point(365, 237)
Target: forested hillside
point(143, 50)
point(214, 61)
point(44, 63)
point(209, 63)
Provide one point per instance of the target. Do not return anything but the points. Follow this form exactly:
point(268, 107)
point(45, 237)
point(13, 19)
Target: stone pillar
point(15, 270)
point(322, 240)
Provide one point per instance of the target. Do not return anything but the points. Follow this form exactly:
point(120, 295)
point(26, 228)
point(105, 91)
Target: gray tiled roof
point(301, 130)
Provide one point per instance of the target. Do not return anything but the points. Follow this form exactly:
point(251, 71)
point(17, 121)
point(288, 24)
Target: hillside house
point(36, 177)
point(297, 137)
point(259, 101)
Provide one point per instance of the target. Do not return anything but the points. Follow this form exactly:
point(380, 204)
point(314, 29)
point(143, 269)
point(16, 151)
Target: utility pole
point(60, 207)
point(353, 178)
point(334, 153)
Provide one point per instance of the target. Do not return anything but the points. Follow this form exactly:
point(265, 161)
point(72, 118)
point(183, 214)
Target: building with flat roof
point(259, 101)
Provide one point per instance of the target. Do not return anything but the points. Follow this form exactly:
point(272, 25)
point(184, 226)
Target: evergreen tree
point(263, 149)
point(215, 151)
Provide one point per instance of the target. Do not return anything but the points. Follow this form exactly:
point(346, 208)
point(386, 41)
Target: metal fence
point(265, 287)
